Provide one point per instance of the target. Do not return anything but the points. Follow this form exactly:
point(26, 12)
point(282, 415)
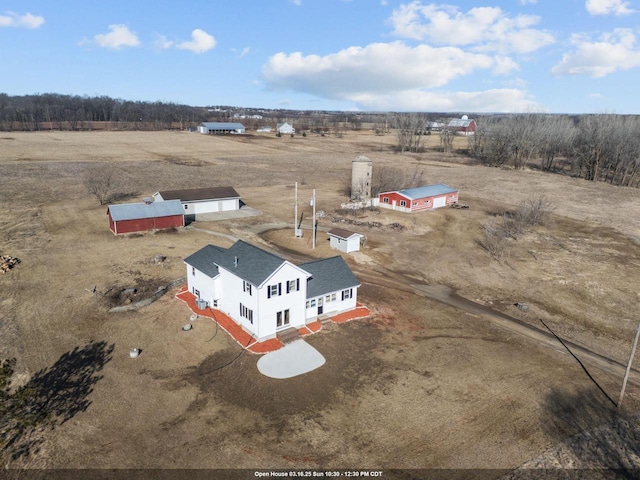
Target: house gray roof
point(223, 125)
point(134, 211)
point(199, 194)
point(329, 275)
point(426, 191)
point(206, 259)
point(245, 261)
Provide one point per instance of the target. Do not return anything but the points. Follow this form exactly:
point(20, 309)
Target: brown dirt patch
point(233, 378)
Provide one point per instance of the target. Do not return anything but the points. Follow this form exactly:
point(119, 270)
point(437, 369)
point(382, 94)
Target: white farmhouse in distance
point(285, 128)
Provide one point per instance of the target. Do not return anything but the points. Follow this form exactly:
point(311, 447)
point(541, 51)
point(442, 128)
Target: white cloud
point(296, 2)
point(245, 51)
point(608, 7)
point(498, 100)
point(119, 36)
point(528, 2)
point(200, 42)
point(615, 51)
point(379, 67)
point(380, 73)
point(481, 28)
point(12, 19)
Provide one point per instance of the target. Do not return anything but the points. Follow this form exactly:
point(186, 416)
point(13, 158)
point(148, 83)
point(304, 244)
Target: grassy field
point(417, 385)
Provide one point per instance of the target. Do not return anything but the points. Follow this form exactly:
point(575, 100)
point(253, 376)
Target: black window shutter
point(268, 291)
point(287, 287)
point(297, 284)
point(279, 288)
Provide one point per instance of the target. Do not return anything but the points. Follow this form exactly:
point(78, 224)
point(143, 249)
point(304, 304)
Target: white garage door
point(205, 207)
point(439, 202)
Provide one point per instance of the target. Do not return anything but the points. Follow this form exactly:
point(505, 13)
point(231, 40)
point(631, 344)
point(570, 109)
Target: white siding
point(294, 301)
point(264, 308)
point(233, 296)
point(332, 307)
point(209, 289)
point(211, 206)
point(351, 244)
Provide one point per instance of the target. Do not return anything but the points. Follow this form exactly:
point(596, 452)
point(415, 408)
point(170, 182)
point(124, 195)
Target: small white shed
point(344, 240)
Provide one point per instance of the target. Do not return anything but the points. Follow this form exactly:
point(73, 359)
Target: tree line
point(52, 111)
point(596, 147)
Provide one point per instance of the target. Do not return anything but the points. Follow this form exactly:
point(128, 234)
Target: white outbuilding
point(344, 240)
point(197, 201)
point(221, 128)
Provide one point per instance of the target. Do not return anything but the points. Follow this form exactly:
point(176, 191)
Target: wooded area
point(598, 147)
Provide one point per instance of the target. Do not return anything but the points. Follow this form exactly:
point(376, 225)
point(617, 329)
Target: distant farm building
point(420, 198)
point(285, 128)
point(264, 129)
point(197, 201)
point(361, 171)
point(462, 126)
point(344, 240)
point(140, 217)
point(435, 126)
point(221, 128)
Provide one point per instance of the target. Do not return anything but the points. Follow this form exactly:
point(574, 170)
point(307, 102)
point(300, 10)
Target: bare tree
point(411, 128)
point(557, 135)
point(392, 178)
point(99, 182)
point(446, 140)
point(590, 146)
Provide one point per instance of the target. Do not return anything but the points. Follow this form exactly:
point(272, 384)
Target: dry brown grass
point(417, 385)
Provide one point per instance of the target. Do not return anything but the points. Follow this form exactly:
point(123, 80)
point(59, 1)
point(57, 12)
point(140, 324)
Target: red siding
point(395, 196)
point(425, 203)
point(144, 224)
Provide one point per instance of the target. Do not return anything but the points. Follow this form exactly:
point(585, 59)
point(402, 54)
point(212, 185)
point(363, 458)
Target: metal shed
point(140, 217)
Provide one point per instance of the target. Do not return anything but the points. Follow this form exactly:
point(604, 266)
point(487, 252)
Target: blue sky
point(560, 56)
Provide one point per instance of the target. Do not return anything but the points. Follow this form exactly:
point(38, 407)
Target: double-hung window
point(293, 285)
point(274, 290)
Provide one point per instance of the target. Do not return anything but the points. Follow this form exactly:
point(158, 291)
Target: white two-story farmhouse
point(264, 293)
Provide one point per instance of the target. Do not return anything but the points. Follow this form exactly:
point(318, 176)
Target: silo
point(361, 171)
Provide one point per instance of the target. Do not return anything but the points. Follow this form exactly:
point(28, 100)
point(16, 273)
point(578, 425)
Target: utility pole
point(626, 374)
point(313, 230)
point(295, 214)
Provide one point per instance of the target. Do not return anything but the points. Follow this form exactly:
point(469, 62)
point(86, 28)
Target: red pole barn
point(140, 217)
point(416, 199)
